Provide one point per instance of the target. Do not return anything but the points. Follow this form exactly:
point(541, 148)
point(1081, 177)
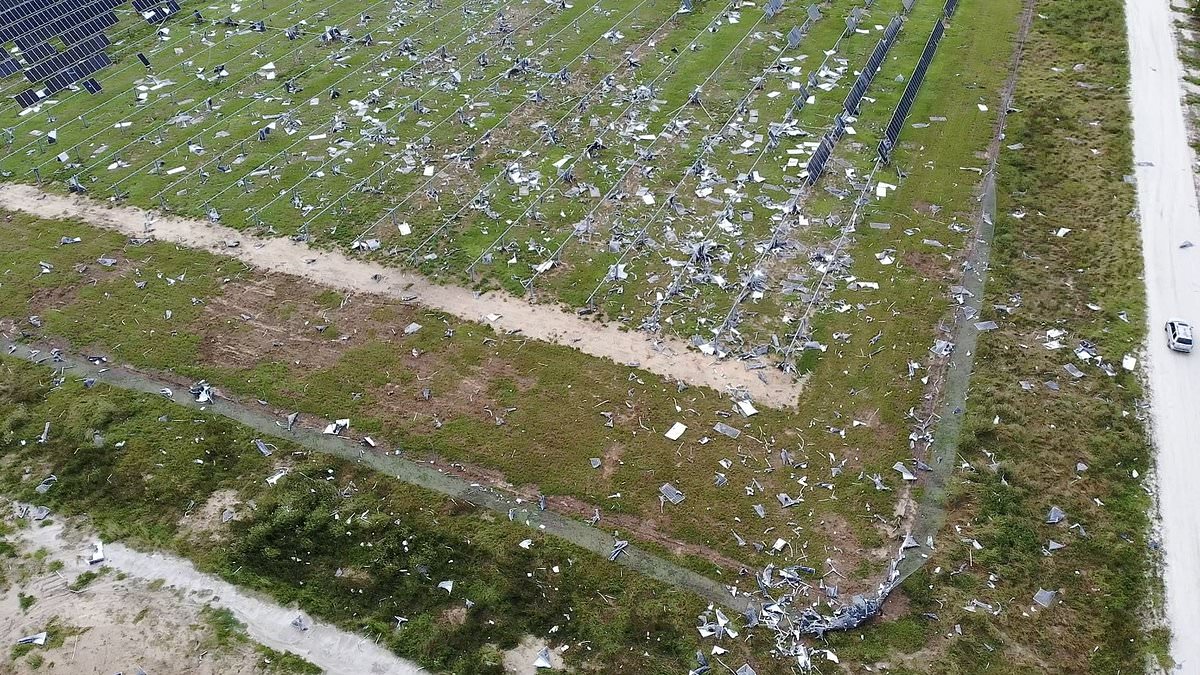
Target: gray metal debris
point(726, 430)
point(46, 484)
point(1055, 516)
point(1044, 598)
point(619, 547)
point(35, 639)
point(203, 392)
point(670, 493)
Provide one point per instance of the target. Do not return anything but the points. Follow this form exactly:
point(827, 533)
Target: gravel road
point(1169, 216)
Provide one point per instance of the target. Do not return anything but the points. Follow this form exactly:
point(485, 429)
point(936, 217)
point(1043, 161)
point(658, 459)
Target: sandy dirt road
point(1169, 216)
point(668, 357)
point(112, 625)
point(333, 650)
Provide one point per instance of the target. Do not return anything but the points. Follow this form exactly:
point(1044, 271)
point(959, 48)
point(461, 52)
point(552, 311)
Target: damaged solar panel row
point(888, 143)
point(874, 62)
point(820, 157)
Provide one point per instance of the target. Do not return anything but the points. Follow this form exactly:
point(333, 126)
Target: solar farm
point(601, 157)
point(675, 296)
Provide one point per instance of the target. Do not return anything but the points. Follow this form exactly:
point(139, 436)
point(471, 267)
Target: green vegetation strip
point(344, 542)
point(1019, 449)
point(423, 475)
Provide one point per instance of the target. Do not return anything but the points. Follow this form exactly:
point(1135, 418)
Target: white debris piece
point(746, 408)
point(904, 472)
point(35, 639)
point(676, 431)
point(97, 553)
point(1043, 597)
point(337, 426)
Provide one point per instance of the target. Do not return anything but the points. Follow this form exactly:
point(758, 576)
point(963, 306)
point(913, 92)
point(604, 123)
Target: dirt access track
point(667, 357)
point(109, 639)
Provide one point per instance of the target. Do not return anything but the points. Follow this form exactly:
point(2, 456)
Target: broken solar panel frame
point(155, 11)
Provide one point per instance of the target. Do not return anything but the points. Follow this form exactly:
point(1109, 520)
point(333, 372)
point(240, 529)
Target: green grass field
point(146, 482)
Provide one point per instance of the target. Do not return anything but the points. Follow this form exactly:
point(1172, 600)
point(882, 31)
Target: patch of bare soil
point(611, 460)
point(455, 616)
point(647, 529)
point(843, 551)
point(930, 266)
point(641, 528)
point(47, 298)
point(174, 588)
point(275, 318)
point(209, 518)
point(519, 660)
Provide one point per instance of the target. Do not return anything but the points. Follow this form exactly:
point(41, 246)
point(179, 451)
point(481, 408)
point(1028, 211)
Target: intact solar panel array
point(63, 60)
point(948, 10)
point(910, 92)
point(874, 62)
point(80, 24)
point(33, 23)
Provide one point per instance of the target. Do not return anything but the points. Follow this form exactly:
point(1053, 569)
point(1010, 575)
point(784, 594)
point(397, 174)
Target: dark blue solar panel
point(37, 52)
point(8, 66)
point(73, 55)
point(27, 98)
